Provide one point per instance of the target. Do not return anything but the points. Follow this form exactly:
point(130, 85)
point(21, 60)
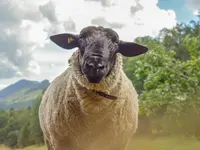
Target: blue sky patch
point(183, 13)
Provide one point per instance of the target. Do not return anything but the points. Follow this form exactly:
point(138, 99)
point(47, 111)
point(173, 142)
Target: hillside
point(21, 94)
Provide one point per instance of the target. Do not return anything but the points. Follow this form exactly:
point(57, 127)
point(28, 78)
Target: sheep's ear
point(65, 40)
point(131, 49)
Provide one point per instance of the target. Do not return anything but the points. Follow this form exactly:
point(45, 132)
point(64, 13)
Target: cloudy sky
point(25, 25)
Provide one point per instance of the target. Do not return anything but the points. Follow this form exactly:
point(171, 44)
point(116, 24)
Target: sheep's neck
point(104, 95)
point(100, 93)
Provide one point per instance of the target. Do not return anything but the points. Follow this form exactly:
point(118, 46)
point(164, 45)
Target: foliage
point(168, 81)
point(36, 132)
point(20, 128)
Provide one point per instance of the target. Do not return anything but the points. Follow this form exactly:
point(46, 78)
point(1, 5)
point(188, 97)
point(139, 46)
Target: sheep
point(92, 105)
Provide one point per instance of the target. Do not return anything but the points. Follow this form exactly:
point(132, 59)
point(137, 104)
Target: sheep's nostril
point(90, 65)
point(100, 66)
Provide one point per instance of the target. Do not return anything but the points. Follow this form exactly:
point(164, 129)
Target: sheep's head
point(98, 47)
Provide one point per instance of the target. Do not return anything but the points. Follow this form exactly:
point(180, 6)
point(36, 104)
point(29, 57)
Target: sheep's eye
point(117, 41)
point(116, 46)
point(81, 44)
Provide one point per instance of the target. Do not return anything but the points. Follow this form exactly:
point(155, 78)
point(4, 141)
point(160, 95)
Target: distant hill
point(21, 94)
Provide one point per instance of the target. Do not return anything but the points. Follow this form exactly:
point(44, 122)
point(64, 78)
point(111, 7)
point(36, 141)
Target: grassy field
point(27, 148)
point(141, 143)
point(172, 143)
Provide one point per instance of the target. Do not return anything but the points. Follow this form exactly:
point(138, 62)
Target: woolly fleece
point(74, 118)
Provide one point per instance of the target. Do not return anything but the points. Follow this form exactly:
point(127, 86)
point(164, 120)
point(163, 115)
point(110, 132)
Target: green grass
point(27, 148)
point(144, 143)
point(167, 143)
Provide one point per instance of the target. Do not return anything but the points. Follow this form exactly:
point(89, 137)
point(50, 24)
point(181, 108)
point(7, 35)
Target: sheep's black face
point(98, 47)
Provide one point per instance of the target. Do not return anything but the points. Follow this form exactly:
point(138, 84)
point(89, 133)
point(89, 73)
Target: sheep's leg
point(49, 147)
point(64, 145)
point(123, 147)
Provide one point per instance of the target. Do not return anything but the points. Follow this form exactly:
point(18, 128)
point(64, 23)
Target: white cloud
point(27, 25)
point(34, 67)
point(33, 32)
point(196, 12)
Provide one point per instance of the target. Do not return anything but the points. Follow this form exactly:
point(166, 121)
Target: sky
point(25, 26)
point(184, 9)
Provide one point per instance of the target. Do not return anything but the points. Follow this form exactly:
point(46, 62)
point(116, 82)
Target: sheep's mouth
point(94, 79)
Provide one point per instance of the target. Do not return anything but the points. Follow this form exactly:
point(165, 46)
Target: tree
point(168, 82)
point(3, 135)
point(11, 140)
point(36, 132)
point(24, 136)
point(3, 120)
point(173, 38)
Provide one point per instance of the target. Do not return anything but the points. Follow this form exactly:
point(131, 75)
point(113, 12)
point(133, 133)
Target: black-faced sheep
point(92, 105)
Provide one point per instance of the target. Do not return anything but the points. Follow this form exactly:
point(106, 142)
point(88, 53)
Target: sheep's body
point(74, 118)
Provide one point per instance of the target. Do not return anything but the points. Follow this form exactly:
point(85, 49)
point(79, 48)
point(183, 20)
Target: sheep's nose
point(93, 65)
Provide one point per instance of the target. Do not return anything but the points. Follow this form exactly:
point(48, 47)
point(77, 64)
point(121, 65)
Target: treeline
point(168, 80)
point(20, 128)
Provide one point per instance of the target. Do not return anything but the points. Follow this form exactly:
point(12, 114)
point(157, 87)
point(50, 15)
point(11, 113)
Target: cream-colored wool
point(73, 118)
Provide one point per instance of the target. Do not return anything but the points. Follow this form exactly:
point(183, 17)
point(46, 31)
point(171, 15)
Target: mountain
point(16, 87)
point(21, 94)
